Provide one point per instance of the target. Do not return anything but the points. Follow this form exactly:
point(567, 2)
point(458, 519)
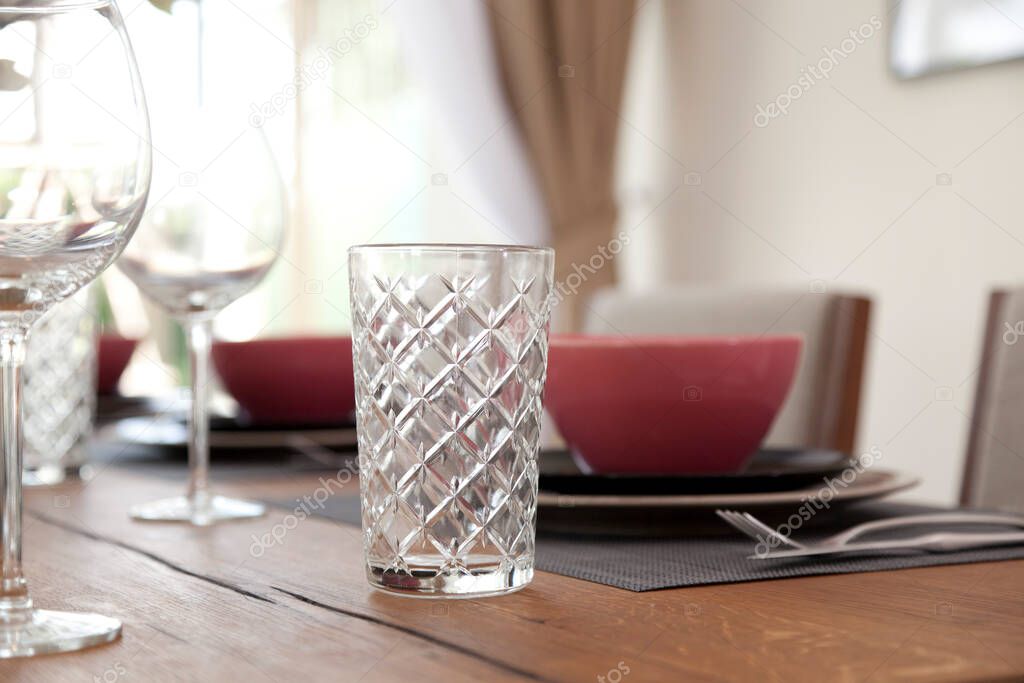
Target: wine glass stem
point(14, 600)
point(199, 333)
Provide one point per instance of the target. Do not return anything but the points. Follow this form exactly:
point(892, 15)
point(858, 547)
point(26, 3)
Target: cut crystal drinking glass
point(450, 357)
point(60, 391)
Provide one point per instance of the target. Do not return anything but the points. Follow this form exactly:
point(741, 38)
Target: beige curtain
point(563, 64)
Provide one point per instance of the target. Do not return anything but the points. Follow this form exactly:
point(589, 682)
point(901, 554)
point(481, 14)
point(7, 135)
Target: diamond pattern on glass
point(60, 385)
point(450, 360)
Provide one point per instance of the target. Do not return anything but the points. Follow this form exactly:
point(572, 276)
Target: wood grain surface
point(234, 603)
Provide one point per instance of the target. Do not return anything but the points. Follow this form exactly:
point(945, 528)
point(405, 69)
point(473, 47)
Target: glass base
point(197, 511)
point(47, 632)
point(429, 583)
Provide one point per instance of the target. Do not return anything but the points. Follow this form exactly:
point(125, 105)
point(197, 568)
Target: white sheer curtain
point(408, 90)
point(449, 51)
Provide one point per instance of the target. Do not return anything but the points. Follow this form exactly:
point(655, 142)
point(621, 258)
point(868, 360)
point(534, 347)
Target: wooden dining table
point(219, 604)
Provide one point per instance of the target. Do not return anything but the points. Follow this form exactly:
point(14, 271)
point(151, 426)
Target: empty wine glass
point(74, 174)
point(214, 228)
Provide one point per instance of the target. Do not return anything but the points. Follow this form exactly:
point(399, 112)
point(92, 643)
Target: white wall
point(842, 189)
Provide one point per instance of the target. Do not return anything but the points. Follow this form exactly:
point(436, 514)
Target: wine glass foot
point(48, 632)
point(205, 512)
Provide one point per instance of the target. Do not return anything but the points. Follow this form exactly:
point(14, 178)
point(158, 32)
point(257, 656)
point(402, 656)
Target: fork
point(942, 541)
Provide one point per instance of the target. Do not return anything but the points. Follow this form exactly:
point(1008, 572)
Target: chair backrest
point(994, 474)
point(821, 409)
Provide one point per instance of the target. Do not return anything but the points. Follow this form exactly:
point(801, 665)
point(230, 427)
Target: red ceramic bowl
point(292, 381)
point(112, 358)
point(667, 405)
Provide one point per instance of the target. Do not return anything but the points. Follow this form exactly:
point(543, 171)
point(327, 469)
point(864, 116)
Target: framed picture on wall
point(930, 36)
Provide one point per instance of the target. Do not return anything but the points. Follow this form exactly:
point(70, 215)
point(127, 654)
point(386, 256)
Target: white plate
point(868, 484)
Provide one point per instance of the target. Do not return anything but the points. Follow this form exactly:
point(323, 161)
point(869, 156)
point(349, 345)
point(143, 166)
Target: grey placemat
point(635, 550)
point(641, 564)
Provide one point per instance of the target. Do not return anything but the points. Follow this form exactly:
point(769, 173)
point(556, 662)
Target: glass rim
point(452, 247)
point(55, 7)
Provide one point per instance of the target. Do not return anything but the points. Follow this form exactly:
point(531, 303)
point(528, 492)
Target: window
point(351, 131)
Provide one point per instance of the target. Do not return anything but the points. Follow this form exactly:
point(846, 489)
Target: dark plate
point(771, 470)
point(170, 432)
point(221, 423)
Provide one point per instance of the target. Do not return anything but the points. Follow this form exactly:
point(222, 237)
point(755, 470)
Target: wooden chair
point(821, 409)
point(994, 473)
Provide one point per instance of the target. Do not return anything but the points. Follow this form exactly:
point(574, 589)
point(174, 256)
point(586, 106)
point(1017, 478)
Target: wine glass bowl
point(216, 222)
point(214, 228)
point(74, 176)
point(76, 165)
